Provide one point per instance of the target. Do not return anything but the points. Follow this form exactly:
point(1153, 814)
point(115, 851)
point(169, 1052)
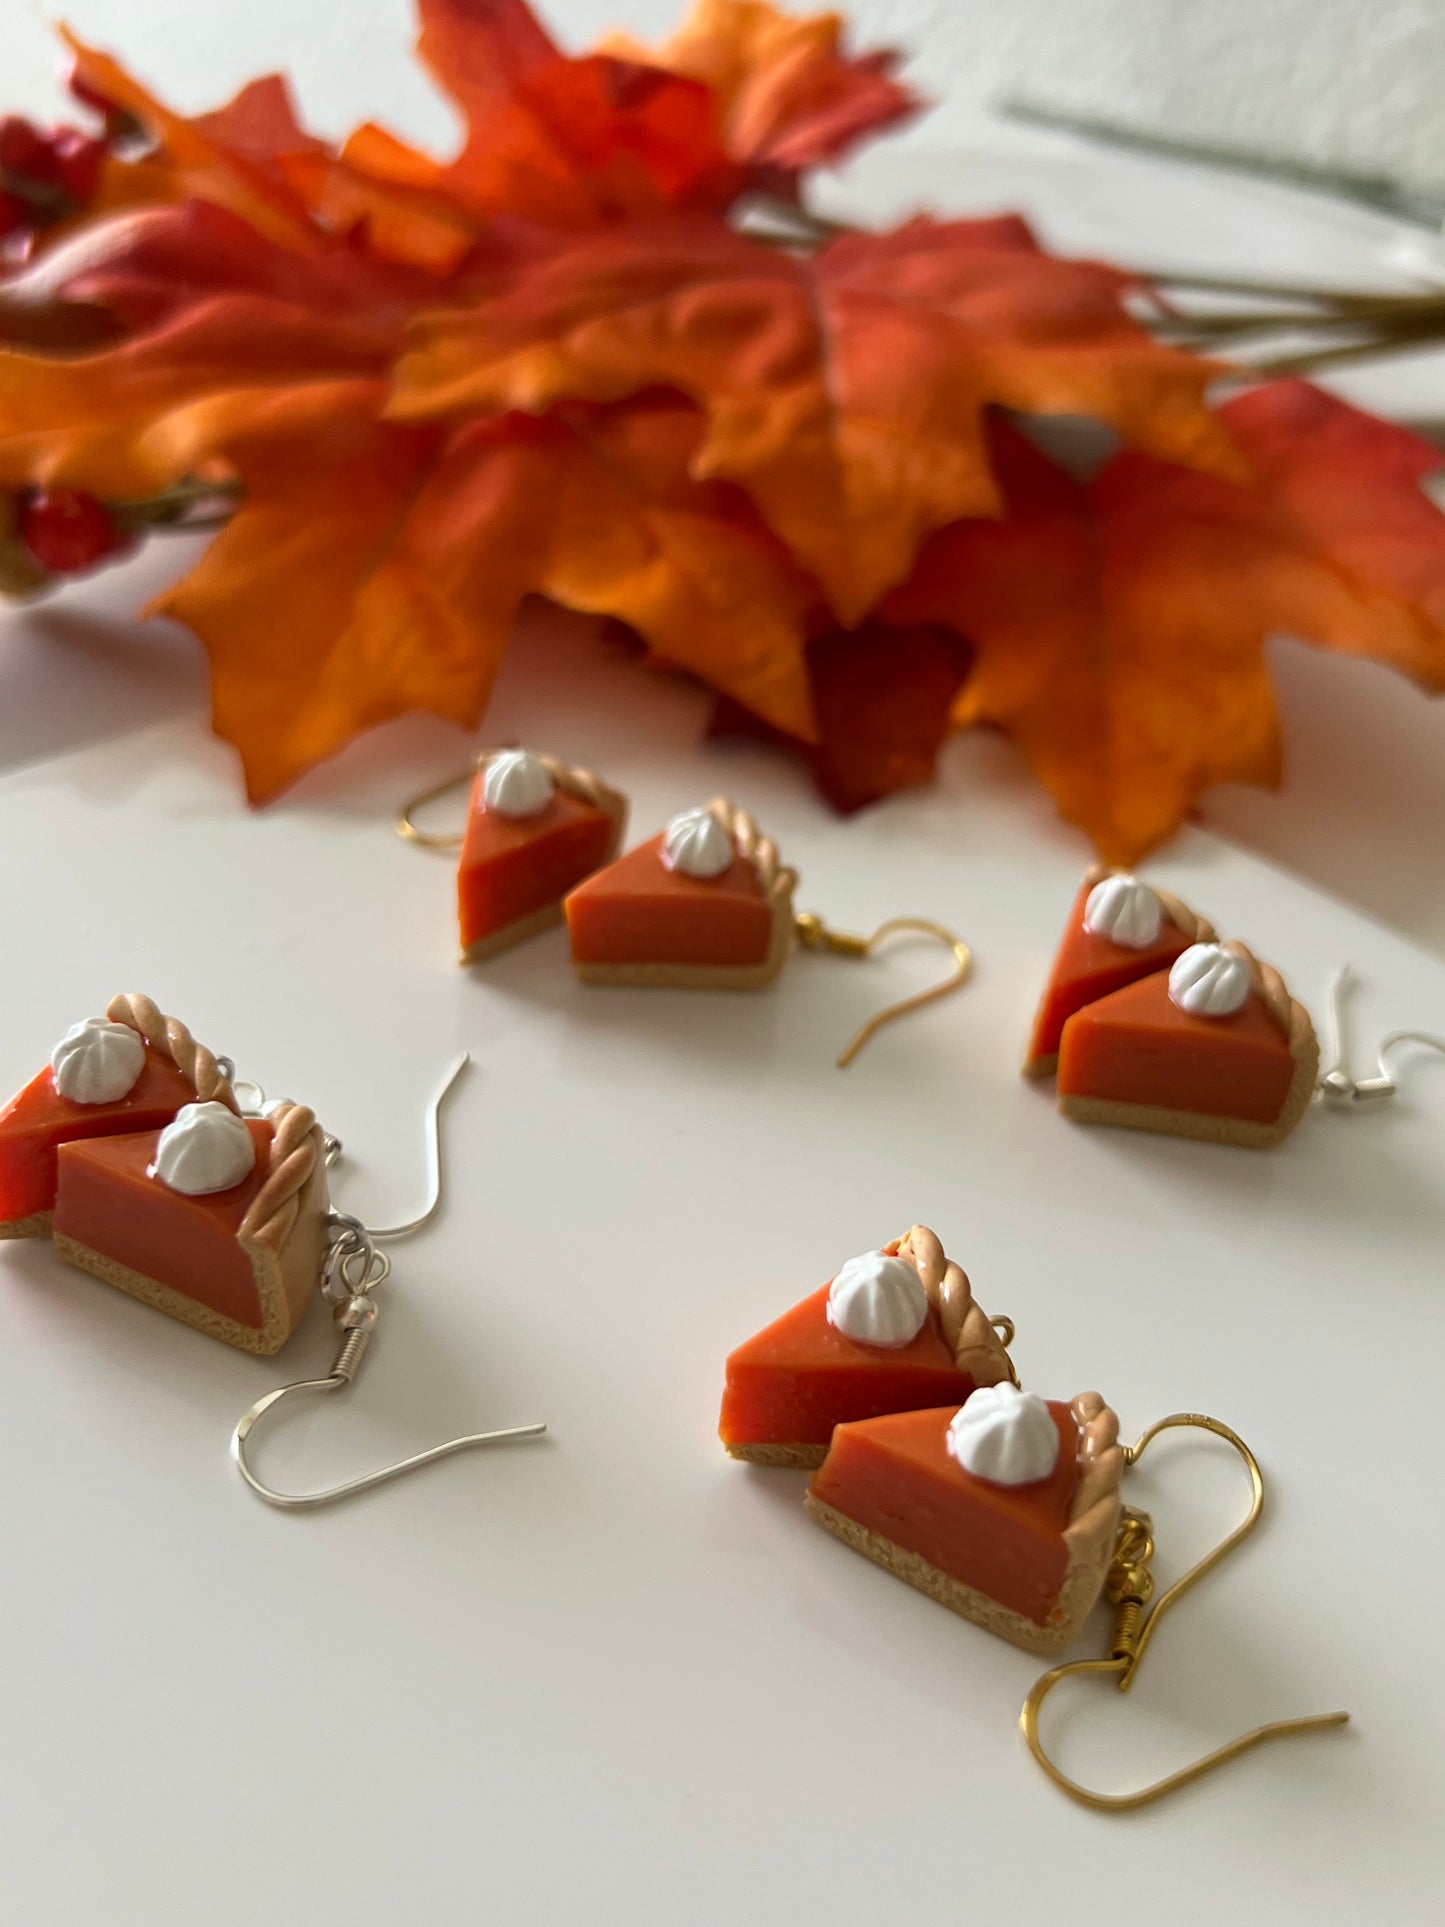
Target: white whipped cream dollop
point(517, 784)
point(697, 844)
point(1005, 1436)
point(1125, 911)
point(98, 1062)
point(1209, 981)
point(207, 1148)
point(878, 1300)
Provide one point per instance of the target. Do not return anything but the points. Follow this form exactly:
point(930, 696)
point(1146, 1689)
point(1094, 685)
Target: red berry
point(14, 215)
point(66, 531)
point(24, 150)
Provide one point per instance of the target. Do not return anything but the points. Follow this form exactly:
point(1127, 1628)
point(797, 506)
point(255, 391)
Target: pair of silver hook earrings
point(355, 1267)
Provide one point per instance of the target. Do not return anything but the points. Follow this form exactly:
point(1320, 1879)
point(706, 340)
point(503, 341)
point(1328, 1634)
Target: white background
point(612, 1677)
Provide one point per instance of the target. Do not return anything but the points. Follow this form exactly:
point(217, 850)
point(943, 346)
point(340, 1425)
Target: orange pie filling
point(110, 1203)
point(1138, 1047)
point(38, 1121)
point(641, 911)
point(1089, 966)
point(516, 868)
point(801, 1376)
point(897, 1478)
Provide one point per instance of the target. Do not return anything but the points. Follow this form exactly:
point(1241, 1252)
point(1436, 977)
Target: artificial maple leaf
point(788, 96)
point(883, 695)
point(383, 573)
point(845, 392)
point(254, 157)
point(223, 325)
point(562, 141)
point(230, 157)
point(1121, 625)
point(373, 568)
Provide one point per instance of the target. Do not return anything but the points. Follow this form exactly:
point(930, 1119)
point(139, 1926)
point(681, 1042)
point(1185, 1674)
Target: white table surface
point(612, 1676)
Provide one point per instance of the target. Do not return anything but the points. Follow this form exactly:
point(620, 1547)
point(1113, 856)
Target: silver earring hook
point(1336, 1085)
point(353, 1271)
point(388, 1234)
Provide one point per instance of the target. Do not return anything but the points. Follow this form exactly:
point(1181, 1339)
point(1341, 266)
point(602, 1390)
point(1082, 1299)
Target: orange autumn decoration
point(570, 361)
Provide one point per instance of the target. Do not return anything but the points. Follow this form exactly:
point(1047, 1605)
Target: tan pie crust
point(37, 1225)
point(778, 883)
point(1293, 1021)
point(977, 1348)
point(283, 1233)
point(590, 788)
point(1090, 1537)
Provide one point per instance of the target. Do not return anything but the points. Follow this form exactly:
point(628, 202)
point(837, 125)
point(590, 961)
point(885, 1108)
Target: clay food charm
point(894, 1330)
point(1005, 1509)
point(535, 828)
point(1171, 1032)
point(706, 905)
point(1118, 931)
point(131, 1070)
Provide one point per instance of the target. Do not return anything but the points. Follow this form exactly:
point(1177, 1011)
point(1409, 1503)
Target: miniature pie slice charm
point(1119, 930)
point(1215, 1048)
point(707, 905)
point(218, 1220)
point(1007, 1515)
point(131, 1070)
point(535, 828)
point(894, 1330)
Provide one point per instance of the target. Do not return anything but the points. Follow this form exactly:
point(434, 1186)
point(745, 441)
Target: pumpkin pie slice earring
point(1008, 1510)
point(894, 1330)
point(1151, 1024)
point(157, 1171)
point(708, 905)
point(535, 828)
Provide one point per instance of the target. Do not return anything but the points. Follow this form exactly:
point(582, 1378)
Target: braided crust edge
point(977, 1348)
point(774, 876)
point(1094, 1513)
point(170, 1036)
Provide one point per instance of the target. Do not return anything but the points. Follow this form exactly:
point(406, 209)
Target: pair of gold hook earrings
point(898, 1393)
point(706, 904)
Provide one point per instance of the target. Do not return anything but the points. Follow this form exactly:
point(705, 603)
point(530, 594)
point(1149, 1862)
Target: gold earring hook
point(814, 934)
point(1129, 1588)
point(407, 830)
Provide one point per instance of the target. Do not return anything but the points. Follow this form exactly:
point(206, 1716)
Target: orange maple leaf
point(788, 95)
point(230, 157)
point(845, 392)
point(374, 568)
point(1121, 626)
